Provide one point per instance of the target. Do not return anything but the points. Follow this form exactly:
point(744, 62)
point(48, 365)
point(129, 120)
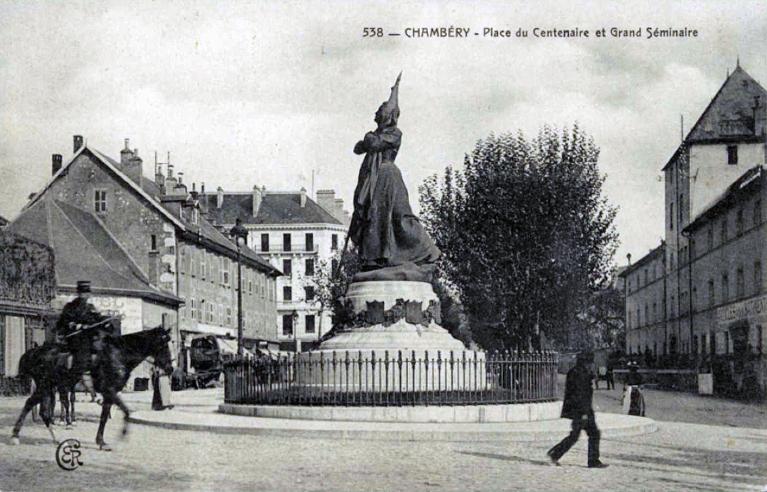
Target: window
point(681, 201)
point(725, 287)
point(695, 344)
point(739, 222)
point(646, 314)
point(287, 267)
point(192, 308)
point(203, 265)
point(309, 291)
point(655, 311)
point(286, 243)
point(309, 323)
point(757, 212)
point(710, 237)
point(692, 248)
point(309, 267)
point(309, 241)
point(732, 155)
point(726, 342)
point(646, 277)
point(334, 242)
point(671, 307)
point(759, 339)
point(740, 287)
point(757, 277)
point(712, 342)
point(671, 216)
point(287, 293)
point(287, 324)
point(228, 316)
point(100, 201)
point(711, 293)
point(723, 232)
point(225, 271)
point(639, 317)
point(153, 242)
point(264, 242)
point(694, 297)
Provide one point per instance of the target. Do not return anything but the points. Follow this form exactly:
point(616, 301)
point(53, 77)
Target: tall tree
point(526, 234)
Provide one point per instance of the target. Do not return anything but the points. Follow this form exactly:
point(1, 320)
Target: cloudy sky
point(245, 93)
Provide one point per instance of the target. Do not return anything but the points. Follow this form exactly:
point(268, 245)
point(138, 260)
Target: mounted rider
point(81, 330)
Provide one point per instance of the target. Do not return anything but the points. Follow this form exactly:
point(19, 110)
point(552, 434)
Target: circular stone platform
point(458, 414)
point(610, 425)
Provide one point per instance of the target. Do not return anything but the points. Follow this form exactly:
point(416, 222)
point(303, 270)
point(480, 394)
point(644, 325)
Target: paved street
point(680, 456)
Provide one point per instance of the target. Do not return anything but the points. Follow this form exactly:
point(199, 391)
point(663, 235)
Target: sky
point(270, 93)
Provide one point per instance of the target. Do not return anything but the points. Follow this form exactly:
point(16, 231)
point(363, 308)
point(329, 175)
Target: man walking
point(577, 407)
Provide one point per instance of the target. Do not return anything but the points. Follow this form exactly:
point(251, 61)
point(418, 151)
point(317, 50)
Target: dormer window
point(732, 155)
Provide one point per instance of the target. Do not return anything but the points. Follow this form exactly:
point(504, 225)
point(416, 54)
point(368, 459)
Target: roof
point(113, 166)
point(729, 116)
point(275, 208)
point(744, 185)
point(84, 249)
point(203, 232)
point(656, 252)
point(3, 221)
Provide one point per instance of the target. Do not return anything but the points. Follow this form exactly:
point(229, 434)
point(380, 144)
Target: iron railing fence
point(387, 378)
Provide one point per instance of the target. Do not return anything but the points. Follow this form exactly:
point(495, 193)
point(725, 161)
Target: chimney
point(303, 197)
point(339, 209)
point(126, 154)
point(55, 163)
point(159, 177)
point(257, 197)
point(77, 142)
point(327, 200)
point(132, 168)
point(219, 197)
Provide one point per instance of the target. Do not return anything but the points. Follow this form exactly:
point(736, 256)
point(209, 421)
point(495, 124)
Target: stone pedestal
point(394, 343)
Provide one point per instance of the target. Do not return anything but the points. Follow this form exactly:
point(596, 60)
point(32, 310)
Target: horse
point(120, 355)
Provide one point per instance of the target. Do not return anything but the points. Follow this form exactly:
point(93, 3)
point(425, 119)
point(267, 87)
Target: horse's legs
point(47, 410)
point(102, 423)
point(126, 411)
point(64, 403)
point(72, 398)
point(33, 400)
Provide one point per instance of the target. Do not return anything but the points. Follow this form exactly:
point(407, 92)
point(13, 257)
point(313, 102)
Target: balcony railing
point(388, 378)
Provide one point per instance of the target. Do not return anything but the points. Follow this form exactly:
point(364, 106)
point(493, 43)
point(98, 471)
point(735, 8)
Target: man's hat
point(83, 286)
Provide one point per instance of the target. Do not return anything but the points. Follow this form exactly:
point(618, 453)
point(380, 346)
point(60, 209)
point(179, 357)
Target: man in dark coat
point(577, 407)
point(76, 332)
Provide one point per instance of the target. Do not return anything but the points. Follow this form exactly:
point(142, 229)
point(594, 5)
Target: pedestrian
point(633, 399)
point(610, 375)
point(577, 406)
point(160, 389)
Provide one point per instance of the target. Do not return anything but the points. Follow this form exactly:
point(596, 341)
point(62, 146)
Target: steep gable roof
point(113, 167)
point(275, 208)
point(84, 250)
point(729, 115)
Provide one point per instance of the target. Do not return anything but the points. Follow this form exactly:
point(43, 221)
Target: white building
point(296, 235)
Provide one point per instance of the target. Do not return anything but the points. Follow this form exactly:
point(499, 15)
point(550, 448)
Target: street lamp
point(240, 236)
point(294, 318)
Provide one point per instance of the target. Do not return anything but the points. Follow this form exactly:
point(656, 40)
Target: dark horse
point(120, 355)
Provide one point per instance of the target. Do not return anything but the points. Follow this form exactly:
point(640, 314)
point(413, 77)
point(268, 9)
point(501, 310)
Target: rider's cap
point(83, 286)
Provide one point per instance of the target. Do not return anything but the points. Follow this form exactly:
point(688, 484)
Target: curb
point(377, 431)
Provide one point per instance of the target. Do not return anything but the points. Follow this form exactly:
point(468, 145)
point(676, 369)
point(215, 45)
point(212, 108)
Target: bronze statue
point(391, 241)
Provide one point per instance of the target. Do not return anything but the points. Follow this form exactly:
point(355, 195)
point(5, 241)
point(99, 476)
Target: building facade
point(149, 252)
point(27, 286)
point(714, 239)
point(296, 235)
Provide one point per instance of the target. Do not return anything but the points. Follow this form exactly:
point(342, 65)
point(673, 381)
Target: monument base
point(393, 343)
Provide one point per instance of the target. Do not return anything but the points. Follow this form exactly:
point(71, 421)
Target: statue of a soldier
point(81, 330)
